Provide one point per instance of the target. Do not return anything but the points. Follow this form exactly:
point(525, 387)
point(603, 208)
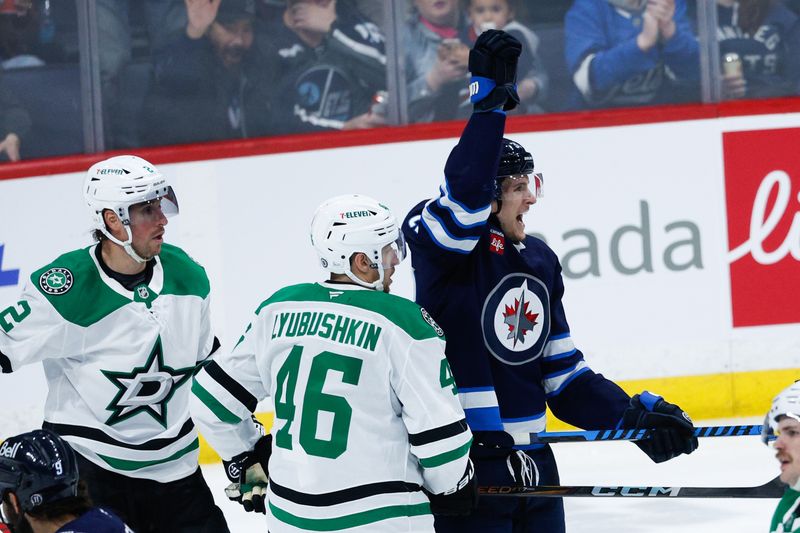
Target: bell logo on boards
point(762, 195)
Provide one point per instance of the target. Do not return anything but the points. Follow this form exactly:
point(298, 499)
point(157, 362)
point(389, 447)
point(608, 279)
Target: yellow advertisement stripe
point(704, 397)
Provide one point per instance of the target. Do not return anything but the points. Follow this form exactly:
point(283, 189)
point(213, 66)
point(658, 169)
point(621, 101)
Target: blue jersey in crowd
point(499, 303)
point(96, 520)
point(609, 69)
point(770, 54)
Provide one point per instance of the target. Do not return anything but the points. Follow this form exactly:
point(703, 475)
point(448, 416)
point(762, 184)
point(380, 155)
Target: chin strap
point(127, 245)
point(375, 285)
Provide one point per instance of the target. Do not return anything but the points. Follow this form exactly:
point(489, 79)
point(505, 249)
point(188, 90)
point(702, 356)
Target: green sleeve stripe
point(351, 520)
point(446, 457)
point(222, 412)
point(128, 465)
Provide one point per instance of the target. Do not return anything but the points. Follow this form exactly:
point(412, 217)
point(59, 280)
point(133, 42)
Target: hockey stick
point(772, 489)
point(629, 434)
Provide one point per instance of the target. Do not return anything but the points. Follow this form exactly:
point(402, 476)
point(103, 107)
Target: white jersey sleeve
point(208, 342)
point(437, 429)
point(32, 330)
point(226, 392)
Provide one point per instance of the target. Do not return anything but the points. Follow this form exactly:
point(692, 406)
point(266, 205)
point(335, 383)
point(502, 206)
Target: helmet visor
point(537, 185)
point(4, 518)
point(164, 205)
point(394, 252)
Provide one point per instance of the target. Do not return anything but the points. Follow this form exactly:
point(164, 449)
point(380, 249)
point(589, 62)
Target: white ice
point(729, 461)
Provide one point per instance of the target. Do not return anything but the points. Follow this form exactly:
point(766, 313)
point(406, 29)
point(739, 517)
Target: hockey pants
point(182, 506)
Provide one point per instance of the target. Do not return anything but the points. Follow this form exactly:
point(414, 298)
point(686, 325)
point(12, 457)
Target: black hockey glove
point(499, 445)
point(674, 431)
point(249, 476)
point(461, 500)
point(493, 64)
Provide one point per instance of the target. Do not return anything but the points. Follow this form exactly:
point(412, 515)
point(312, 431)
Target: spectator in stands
point(210, 82)
point(436, 54)
point(500, 15)
point(630, 52)
point(19, 32)
point(761, 40)
point(374, 11)
point(331, 62)
point(15, 124)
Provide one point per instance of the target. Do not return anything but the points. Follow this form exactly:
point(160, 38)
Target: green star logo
point(146, 389)
point(56, 281)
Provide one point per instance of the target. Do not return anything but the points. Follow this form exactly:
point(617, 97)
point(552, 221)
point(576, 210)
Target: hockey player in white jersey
point(120, 328)
point(369, 434)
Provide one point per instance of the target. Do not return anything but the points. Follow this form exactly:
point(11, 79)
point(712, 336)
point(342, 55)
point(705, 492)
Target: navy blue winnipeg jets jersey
point(499, 303)
point(96, 520)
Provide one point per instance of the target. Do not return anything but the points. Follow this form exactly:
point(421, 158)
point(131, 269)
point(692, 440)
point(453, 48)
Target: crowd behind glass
point(87, 75)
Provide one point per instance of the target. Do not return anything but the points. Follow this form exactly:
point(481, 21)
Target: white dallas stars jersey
point(366, 409)
point(118, 363)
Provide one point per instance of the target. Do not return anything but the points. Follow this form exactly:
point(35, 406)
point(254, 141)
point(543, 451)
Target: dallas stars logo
point(146, 389)
point(56, 281)
point(519, 319)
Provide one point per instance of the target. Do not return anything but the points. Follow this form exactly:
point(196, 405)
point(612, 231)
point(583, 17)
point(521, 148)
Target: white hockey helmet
point(353, 223)
point(118, 183)
point(787, 403)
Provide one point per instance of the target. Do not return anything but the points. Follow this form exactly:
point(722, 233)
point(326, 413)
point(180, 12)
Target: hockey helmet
point(39, 467)
point(353, 223)
point(787, 403)
point(516, 161)
point(121, 182)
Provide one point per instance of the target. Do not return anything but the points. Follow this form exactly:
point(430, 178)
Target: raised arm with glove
point(493, 64)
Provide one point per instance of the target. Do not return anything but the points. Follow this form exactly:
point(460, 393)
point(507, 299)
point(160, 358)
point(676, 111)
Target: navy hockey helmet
point(514, 161)
point(39, 467)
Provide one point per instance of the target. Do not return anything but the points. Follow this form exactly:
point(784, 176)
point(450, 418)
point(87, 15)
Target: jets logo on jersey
point(146, 389)
point(56, 281)
point(516, 319)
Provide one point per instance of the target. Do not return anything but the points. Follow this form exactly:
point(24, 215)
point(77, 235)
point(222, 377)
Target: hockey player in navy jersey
point(40, 491)
point(497, 294)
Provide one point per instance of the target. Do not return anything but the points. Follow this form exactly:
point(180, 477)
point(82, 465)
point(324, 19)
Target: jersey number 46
point(314, 401)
